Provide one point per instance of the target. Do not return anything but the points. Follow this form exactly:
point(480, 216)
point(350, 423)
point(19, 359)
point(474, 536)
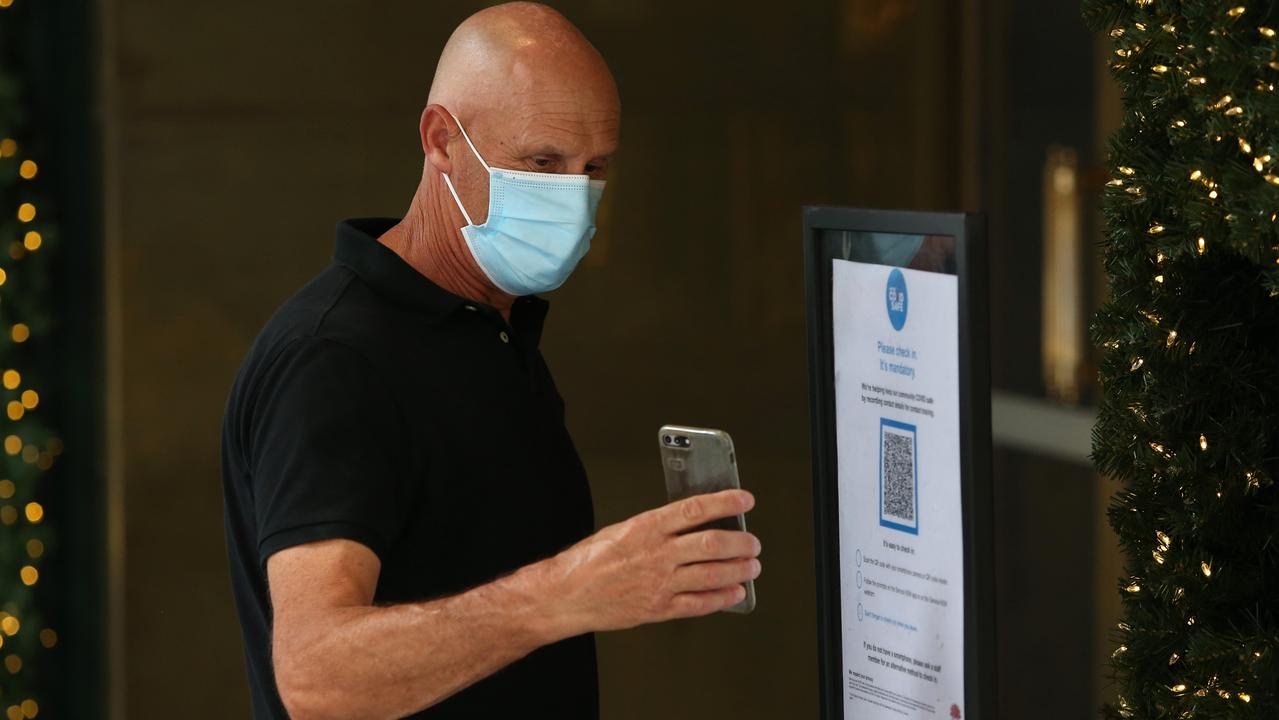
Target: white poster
point(896, 336)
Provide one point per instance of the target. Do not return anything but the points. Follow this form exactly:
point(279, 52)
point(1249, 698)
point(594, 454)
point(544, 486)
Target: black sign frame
point(968, 229)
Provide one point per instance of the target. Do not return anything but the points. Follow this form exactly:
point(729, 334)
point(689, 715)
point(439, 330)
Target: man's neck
point(428, 239)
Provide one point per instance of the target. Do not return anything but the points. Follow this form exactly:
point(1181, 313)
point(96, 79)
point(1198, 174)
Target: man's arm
point(336, 655)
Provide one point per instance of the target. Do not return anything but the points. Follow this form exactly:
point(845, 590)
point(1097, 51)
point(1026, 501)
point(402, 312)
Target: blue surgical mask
point(539, 226)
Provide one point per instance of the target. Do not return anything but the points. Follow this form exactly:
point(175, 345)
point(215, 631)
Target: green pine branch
point(1189, 419)
point(28, 448)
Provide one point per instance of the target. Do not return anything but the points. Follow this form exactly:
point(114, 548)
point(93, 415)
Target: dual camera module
point(676, 441)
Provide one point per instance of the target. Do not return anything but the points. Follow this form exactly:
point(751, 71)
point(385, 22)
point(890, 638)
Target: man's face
point(542, 127)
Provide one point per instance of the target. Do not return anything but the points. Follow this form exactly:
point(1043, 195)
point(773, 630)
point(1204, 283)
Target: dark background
point(221, 142)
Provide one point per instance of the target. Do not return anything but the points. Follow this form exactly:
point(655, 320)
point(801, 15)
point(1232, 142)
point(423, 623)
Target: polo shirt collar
point(359, 249)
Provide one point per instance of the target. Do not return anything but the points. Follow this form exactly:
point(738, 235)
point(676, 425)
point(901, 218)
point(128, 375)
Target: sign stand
point(900, 395)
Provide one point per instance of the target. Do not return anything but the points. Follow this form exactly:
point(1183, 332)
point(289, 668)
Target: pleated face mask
point(538, 227)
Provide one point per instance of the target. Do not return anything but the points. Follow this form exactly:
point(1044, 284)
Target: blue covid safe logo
point(896, 299)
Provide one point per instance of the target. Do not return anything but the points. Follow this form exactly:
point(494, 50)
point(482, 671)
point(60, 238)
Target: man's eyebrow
point(557, 152)
point(547, 150)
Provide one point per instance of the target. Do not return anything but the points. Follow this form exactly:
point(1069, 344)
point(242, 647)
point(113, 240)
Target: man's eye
point(543, 162)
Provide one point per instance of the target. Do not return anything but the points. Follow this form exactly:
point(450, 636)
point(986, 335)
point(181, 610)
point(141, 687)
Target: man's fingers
point(693, 511)
point(700, 577)
point(715, 545)
point(693, 604)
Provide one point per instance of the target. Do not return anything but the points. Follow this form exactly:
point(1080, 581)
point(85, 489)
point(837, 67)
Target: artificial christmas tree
point(1189, 420)
point(27, 234)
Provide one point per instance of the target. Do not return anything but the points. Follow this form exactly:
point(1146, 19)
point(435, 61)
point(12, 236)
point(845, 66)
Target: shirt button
point(505, 338)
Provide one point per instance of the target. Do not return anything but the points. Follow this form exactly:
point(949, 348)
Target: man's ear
point(437, 127)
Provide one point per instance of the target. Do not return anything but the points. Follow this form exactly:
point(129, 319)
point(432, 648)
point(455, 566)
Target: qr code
point(898, 480)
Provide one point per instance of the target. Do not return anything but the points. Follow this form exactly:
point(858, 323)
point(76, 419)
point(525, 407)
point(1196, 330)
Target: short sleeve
point(328, 458)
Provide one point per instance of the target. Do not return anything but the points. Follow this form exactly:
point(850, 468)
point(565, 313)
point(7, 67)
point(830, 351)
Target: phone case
point(706, 463)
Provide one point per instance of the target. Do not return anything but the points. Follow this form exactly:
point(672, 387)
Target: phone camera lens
point(666, 439)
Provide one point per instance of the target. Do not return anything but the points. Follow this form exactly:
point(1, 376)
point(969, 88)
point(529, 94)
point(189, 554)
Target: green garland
point(27, 232)
point(1189, 420)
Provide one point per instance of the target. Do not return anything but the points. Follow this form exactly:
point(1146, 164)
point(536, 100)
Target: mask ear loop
point(449, 182)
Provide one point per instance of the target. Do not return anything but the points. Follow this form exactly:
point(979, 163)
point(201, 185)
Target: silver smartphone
point(698, 461)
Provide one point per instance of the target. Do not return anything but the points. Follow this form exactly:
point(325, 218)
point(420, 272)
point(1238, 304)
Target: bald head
point(509, 57)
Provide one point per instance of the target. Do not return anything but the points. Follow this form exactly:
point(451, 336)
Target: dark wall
point(1044, 563)
point(1047, 97)
point(244, 131)
point(1050, 557)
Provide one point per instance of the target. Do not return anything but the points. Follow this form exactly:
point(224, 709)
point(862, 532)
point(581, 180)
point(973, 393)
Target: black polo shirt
point(377, 407)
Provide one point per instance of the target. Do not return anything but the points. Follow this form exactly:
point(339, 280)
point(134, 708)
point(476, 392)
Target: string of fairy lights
point(1200, 107)
point(29, 448)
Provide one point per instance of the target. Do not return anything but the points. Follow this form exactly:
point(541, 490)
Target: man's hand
point(644, 570)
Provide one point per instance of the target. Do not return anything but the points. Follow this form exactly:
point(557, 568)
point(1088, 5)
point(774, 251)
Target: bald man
point(408, 524)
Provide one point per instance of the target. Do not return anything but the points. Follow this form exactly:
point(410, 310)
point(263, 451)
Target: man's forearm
point(337, 656)
point(391, 661)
